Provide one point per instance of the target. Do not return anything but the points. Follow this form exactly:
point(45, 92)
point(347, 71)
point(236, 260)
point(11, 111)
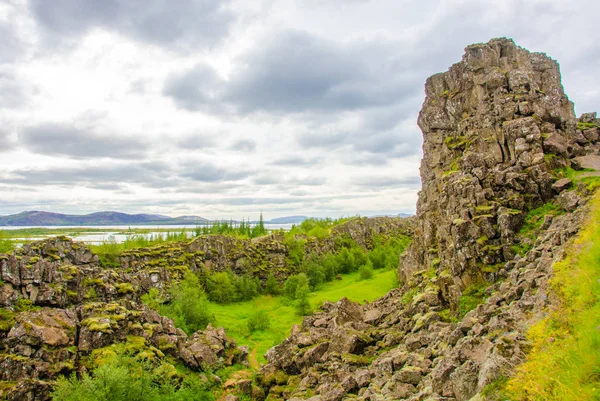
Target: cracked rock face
point(495, 126)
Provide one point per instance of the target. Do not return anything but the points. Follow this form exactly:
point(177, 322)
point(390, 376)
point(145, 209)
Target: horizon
point(265, 218)
point(210, 110)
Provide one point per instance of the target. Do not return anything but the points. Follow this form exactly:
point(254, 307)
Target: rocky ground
point(499, 133)
point(60, 303)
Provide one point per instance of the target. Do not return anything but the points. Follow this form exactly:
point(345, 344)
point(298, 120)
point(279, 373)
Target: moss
point(471, 297)
point(408, 295)
point(359, 360)
point(7, 319)
point(124, 288)
point(96, 281)
point(583, 126)
point(482, 240)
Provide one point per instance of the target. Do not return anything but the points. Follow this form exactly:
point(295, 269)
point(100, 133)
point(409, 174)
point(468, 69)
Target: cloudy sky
point(224, 108)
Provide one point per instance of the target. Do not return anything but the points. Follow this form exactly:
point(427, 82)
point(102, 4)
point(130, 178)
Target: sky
point(226, 108)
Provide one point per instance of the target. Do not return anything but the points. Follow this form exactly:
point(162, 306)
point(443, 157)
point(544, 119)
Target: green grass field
point(281, 311)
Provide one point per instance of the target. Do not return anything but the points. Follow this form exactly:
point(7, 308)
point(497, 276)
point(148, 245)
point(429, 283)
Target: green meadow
point(282, 314)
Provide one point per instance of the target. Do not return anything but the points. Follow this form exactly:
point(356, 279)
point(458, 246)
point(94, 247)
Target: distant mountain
point(37, 218)
point(393, 215)
point(287, 220)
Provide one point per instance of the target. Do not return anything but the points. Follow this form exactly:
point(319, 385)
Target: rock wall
point(256, 257)
point(498, 130)
point(60, 305)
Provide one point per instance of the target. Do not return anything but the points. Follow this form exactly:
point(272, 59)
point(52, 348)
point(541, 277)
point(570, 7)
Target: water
point(116, 233)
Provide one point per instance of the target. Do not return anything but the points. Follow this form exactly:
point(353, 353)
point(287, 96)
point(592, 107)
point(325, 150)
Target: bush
point(126, 378)
point(293, 283)
point(366, 271)
point(246, 287)
point(189, 305)
point(220, 289)
point(272, 286)
point(314, 272)
point(359, 258)
point(378, 258)
point(345, 261)
point(329, 264)
point(258, 321)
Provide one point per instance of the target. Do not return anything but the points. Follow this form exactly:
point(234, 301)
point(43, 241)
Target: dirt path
point(252, 357)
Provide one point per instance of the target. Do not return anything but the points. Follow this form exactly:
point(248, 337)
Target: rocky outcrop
point(59, 306)
point(257, 257)
point(60, 303)
point(498, 130)
point(496, 127)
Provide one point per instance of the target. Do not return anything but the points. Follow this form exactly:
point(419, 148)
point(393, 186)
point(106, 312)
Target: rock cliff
point(495, 211)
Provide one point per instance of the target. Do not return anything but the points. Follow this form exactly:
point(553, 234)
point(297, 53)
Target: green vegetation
point(318, 228)
point(6, 244)
point(470, 298)
point(592, 182)
point(188, 306)
point(282, 312)
point(564, 363)
point(533, 221)
point(583, 126)
point(243, 229)
point(134, 371)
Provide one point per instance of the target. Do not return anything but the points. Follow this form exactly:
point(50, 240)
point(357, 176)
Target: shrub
point(345, 261)
point(314, 272)
point(366, 271)
point(126, 378)
point(220, 289)
point(189, 305)
point(272, 286)
point(293, 283)
point(246, 287)
point(258, 321)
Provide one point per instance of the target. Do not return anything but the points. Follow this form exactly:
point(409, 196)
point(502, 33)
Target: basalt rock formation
point(498, 134)
point(59, 303)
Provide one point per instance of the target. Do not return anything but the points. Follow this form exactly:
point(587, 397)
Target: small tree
point(366, 270)
point(272, 286)
point(302, 304)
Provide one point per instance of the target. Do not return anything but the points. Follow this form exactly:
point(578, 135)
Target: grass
point(234, 317)
point(591, 181)
point(564, 363)
point(533, 221)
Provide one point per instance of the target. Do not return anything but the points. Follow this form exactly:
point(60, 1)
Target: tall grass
point(564, 363)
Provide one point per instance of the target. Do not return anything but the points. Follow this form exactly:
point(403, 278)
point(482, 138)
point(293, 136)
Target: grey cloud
point(286, 182)
point(149, 174)
point(275, 78)
point(14, 91)
point(196, 142)
point(297, 161)
point(182, 24)
point(244, 145)
point(204, 172)
point(193, 89)
point(387, 182)
point(6, 143)
point(66, 140)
